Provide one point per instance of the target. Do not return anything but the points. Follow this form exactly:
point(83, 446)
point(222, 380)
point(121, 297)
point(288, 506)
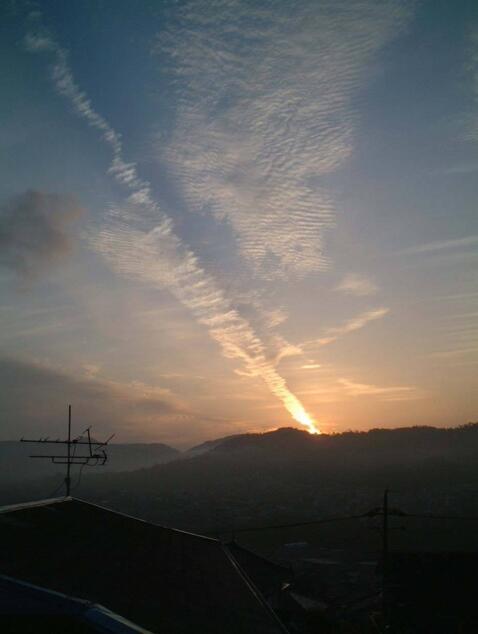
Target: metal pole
point(68, 463)
point(385, 555)
point(385, 532)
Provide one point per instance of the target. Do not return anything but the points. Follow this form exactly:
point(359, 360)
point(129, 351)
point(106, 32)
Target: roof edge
point(138, 519)
point(10, 508)
point(259, 597)
point(48, 502)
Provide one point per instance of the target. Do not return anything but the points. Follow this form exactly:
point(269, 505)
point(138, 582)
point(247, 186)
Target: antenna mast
point(95, 456)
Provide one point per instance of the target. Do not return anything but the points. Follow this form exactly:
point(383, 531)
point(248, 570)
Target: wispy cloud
point(441, 245)
point(458, 336)
point(264, 110)
point(358, 322)
point(29, 384)
point(357, 284)
point(456, 352)
point(459, 169)
point(334, 389)
point(458, 298)
point(473, 68)
point(390, 393)
point(157, 256)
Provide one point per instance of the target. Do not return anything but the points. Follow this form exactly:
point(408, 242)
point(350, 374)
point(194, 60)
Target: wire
point(80, 473)
point(74, 447)
point(372, 513)
point(63, 481)
point(58, 488)
point(442, 517)
point(326, 520)
point(77, 484)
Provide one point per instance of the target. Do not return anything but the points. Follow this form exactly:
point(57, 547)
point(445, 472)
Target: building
point(161, 579)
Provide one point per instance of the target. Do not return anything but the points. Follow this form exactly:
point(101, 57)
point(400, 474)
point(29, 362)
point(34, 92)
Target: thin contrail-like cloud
point(158, 255)
point(441, 245)
point(356, 323)
point(389, 393)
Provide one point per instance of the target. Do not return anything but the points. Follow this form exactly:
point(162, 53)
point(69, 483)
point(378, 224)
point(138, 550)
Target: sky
point(228, 216)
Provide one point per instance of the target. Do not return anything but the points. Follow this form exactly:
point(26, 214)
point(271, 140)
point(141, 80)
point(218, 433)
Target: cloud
point(138, 241)
point(441, 245)
point(392, 393)
point(454, 298)
point(456, 352)
point(34, 231)
point(460, 168)
point(334, 389)
point(264, 110)
point(357, 284)
point(35, 396)
point(358, 322)
point(473, 68)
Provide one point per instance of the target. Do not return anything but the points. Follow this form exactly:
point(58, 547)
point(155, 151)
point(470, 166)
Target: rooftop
point(162, 579)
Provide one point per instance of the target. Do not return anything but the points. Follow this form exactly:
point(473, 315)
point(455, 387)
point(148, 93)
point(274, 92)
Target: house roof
point(163, 579)
point(266, 575)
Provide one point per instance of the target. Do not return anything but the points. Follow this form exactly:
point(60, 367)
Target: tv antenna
point(94, 456)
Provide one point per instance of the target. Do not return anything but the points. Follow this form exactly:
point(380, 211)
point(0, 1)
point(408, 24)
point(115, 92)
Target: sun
point(303, 418)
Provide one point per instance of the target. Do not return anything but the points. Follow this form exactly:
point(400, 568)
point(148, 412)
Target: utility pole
point(95, 456)
point(385, 534)
point(385, 554)
point(68, 462)
point(386, 512)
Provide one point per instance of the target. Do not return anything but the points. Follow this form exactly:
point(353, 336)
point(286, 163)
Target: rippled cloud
point(138, 240)
point(264, 112)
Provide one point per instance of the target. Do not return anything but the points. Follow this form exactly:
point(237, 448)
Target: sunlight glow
point(300, 415)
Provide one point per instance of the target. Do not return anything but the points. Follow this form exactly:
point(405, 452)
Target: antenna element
point(95, 456)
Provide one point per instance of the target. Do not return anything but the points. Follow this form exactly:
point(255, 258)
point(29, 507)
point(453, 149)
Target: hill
point(289, 476)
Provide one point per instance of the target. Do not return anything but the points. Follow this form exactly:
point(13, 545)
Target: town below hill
point(313, 508)
point(236, 485)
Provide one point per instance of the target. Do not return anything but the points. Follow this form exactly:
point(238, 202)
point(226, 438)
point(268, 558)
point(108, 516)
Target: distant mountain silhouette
point(289, 474)
point(409, 443)
point(286, 476)
point(248, 440)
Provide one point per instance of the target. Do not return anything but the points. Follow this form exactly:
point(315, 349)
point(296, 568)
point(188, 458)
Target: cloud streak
point(441, 245)
point(157, 256)
point(357, 323)
point(357, 284)
point(264, 112)
point(32, 391)
point(390, 393)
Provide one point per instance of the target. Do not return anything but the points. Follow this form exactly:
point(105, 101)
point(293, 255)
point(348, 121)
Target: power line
point(79, 477)
point(326, 520)
point(375, 512)
point(428, 516)
point(58, 488)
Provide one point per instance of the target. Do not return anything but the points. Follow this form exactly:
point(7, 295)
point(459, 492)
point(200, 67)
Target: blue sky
point(228, 216)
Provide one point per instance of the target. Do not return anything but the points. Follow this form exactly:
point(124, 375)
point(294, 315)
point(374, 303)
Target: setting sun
point(301, 416)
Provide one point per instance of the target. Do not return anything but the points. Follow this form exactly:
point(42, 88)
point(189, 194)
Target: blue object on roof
point(18, 598)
